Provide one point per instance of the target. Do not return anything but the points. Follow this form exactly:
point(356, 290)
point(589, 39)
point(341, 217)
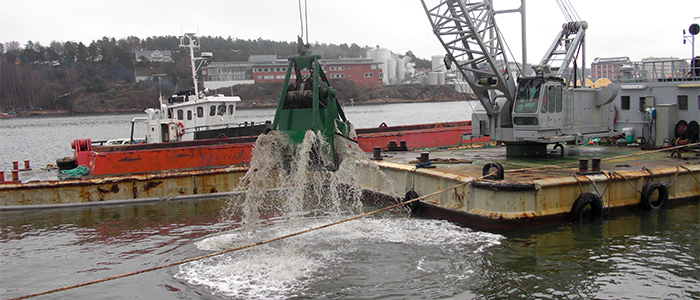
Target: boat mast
point(191, 43)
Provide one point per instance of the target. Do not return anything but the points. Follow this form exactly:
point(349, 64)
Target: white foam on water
point(292, 184)
point(278, 271)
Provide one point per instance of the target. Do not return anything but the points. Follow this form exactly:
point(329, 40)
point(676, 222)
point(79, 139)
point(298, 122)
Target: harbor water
point(392, 255)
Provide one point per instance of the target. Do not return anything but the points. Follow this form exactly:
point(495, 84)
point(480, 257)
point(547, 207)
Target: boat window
point(189, 114)
point(212, 110)
point(180, 114)
point(548, 100)
point(170, 114)
point(222, 109)
point(682, 102)
point(528, 94)
point(230, 109)
point(625, 102)
point(200, 112)
point(558, 95)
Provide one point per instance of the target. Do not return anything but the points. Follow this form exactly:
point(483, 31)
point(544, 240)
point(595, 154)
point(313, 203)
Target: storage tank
point(441, 78)
point(436, 63)
point(401, 70)
point(433, 78)
point(390, 75)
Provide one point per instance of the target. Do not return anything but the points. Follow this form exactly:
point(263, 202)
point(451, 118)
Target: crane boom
point(468, 32)
point(564, 50)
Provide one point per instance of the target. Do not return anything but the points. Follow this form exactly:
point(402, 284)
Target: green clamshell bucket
point(309, 103)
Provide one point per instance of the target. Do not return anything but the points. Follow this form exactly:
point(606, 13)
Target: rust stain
point(151, 184)
point(113, 189)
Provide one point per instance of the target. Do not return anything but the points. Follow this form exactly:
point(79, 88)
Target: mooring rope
point(248, 245)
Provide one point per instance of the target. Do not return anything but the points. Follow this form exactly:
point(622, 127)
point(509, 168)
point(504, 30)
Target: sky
point(636, 29)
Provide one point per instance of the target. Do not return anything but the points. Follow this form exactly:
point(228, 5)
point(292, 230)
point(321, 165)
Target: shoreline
point(243, 106)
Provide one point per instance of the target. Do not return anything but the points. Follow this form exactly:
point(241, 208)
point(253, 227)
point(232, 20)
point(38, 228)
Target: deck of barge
point(534, 190)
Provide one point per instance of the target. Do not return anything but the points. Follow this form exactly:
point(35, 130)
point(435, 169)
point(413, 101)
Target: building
point(154, 55)
point(622, 68)
point(609, 67)
point(268, 68)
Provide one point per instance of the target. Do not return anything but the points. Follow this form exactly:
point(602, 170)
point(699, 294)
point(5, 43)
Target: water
point(643, 255)
point(42, 140)
point(640, 255)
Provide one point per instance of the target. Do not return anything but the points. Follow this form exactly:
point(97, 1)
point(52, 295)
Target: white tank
point(441, 78)
point(401, 71)
point(390, 75)
point(433, 78)
point(437, 63)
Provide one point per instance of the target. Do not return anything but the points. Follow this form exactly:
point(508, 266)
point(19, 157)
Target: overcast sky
point(637, 29)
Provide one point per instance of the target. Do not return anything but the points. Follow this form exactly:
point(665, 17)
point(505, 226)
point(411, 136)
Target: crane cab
point(538, 109)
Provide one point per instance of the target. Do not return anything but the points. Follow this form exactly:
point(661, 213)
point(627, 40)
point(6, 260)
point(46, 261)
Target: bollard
point(15, 165)
point(424, 157)
point(583, 165)
point(595, 164)
point(15, 175)
point(377, 153)
point(26, 165)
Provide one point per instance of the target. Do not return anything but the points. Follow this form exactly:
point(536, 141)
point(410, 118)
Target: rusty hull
point(529, 196)
point(118, 188)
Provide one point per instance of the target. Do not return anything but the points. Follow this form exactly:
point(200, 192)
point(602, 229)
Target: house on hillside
point(154, 56)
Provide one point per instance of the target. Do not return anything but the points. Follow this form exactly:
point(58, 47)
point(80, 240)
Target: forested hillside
point(75, 77)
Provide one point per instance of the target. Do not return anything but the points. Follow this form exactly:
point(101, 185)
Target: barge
point(527, 193)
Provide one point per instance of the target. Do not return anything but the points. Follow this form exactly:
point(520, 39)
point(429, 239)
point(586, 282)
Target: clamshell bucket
point(309, 103)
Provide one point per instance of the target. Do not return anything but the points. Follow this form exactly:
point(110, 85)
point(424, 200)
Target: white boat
point(192, 115)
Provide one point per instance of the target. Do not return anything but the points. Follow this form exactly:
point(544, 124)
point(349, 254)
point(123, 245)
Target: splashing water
point(287, 189)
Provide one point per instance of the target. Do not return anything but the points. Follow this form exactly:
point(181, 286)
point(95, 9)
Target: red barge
point(218, 152)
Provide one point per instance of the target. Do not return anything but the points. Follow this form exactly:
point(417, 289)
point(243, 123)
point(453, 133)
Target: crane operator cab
point(538, 109)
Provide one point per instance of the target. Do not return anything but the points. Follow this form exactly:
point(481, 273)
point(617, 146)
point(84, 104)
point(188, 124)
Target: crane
point(532, 111)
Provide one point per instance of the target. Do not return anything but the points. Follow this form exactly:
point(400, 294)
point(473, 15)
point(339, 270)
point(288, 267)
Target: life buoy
point(487, 170)
point(648, 191)
point(180, 129)
point(413, 206)
point(579, 207)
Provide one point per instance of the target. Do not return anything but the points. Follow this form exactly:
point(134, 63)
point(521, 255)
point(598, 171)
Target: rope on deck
point(464, 183)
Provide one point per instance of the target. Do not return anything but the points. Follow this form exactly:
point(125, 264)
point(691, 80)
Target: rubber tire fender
point(583, 200)
point(498, 176)
point(415, 205)
point(649, 189)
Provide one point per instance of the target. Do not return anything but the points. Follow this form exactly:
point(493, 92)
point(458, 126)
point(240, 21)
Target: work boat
point(192, 115)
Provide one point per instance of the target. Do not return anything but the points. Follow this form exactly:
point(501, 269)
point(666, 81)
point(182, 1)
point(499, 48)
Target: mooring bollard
point(424, 157)
point(377, 153)
point(595, 164)
point(582, 165)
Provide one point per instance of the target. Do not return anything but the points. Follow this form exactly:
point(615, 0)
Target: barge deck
point(540, 191)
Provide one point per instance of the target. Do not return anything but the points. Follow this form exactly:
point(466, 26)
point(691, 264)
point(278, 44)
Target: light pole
point(694, 29)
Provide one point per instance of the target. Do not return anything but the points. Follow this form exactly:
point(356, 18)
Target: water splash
point(335, 254)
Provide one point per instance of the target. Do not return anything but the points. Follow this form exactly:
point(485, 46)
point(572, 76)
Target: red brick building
point(267, 68)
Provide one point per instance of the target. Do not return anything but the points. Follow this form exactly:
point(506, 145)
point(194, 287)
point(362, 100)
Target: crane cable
point(304, 21)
